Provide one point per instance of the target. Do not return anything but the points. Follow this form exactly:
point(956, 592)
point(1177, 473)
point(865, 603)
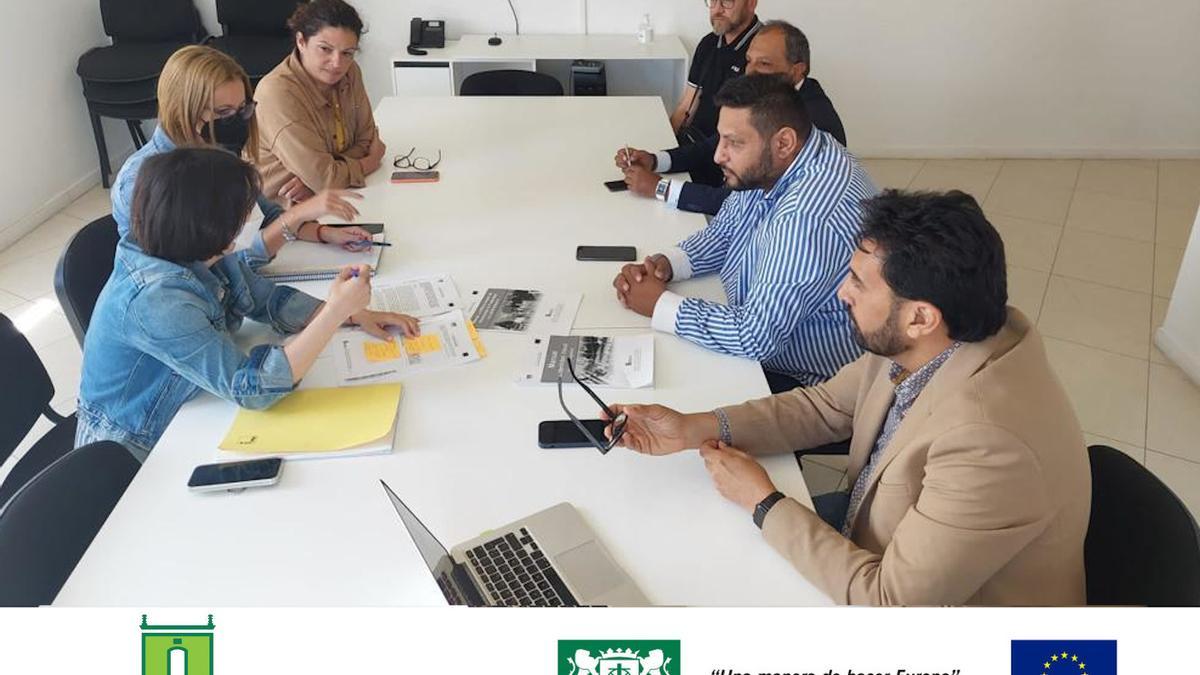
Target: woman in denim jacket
point(162, 327)
point(204, 99)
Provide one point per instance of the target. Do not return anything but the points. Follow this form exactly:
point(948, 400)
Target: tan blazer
point(982, 497)
point(296, 129)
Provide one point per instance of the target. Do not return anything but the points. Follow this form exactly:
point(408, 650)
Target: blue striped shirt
point(781, 256)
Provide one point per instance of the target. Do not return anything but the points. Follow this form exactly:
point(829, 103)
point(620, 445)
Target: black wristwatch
point(760, 511)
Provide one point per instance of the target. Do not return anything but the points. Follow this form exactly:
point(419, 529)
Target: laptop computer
point(549, 559)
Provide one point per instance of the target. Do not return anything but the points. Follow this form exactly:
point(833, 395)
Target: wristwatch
point(661, 190)
point(760, 511)
point(288, 234)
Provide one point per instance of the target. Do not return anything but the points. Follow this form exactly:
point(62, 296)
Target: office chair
point(120, 81)
point(83, 269)
point(28, 392)
point(1142, 545)
point(510, 83)
point(49, 523)
point(255, 33)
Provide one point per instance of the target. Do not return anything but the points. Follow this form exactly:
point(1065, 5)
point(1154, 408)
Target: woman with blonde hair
point(204, 99)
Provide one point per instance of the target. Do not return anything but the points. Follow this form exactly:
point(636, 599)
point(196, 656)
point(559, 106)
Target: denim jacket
point(122, 196)
point(162, 331)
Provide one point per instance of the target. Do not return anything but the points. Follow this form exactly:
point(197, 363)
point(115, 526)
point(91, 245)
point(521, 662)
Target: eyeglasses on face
point(618, 421)
point(245, 111)
point(723, 4)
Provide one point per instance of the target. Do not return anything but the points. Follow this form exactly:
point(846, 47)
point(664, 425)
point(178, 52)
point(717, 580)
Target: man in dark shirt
point(720, 55)
point(778, 48)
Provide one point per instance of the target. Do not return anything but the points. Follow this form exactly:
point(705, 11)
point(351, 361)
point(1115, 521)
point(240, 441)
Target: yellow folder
point(317, 420)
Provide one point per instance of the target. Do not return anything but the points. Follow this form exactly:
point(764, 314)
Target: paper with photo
point(524, 311)
point(445, 340)
point(424, 296)
point(624, 362)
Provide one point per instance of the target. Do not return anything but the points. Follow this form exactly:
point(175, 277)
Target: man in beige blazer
point(969, 474)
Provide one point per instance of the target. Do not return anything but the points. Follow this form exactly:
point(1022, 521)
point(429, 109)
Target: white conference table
point(521, 187)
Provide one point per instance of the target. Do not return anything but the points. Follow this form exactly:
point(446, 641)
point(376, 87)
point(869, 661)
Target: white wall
point(1179, 337)
point(49, 155)
point(923, 77)
point(909, 77)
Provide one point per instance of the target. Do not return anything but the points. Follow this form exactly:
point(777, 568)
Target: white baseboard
point(893, 152)
point(29, 222)
point(1179, 353)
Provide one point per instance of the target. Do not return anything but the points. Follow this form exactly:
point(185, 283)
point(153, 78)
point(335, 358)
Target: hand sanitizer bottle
point(645, 32)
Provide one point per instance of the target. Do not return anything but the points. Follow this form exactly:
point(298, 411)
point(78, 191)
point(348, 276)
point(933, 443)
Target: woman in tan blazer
point(315, 126)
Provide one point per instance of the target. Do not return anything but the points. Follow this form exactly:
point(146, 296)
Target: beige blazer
point(981, 498)
point(296, 129)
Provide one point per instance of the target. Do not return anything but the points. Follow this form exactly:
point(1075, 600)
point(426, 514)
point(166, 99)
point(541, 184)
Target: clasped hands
point(639, 285)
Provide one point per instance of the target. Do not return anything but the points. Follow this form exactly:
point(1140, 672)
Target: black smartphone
point(373, 228)
point(564, 433)
point(236, 475)
point(616, 185)
point(606, 253)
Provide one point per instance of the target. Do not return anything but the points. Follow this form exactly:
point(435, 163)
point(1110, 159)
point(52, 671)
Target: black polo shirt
point(714, 62)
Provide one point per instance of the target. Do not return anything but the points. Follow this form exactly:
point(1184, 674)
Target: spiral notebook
point(310, 261)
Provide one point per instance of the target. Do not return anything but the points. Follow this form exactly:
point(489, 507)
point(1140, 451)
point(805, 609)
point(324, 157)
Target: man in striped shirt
point(781, 243)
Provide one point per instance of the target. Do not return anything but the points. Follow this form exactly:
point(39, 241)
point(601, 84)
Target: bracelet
point(764, 507)
point(725, 435)
point(288, 234)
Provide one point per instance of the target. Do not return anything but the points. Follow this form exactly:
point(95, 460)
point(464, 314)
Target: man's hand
point(738, 476)
point(659, 430)
point(376, 323)
point(639, 285)
point(294, 190)
point(641, 181)
point(630, 157)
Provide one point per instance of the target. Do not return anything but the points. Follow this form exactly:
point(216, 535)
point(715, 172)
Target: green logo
point(177, 650)
point(618, 657)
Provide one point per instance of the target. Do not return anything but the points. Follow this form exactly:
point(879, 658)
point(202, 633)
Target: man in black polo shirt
point(720, 55)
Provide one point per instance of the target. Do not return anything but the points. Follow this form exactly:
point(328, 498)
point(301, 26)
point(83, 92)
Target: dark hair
point(795, 42)
point(310, 17)
point(190, 203)
point(773, 102)
point(941, 249)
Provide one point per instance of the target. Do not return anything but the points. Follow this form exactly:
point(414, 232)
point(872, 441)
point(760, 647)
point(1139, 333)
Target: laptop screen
point(436, 557)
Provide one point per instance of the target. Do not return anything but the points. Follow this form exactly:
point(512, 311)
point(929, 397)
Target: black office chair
point(255, 33)
point(120, 81)
point(1142, 546)
point(28, 392)
point(50, 523)
point(83, 269)
point(510, 83)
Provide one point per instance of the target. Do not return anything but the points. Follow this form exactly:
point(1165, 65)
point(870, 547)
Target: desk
point(521, 187)
point(633, 69)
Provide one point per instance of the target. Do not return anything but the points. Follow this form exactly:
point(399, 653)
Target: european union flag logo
point(1064, 657)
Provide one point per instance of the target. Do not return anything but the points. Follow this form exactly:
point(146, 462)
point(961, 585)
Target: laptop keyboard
point(449, 591)
point(517, 573)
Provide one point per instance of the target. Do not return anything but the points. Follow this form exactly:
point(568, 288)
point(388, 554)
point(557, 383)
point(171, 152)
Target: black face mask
point(230, 132)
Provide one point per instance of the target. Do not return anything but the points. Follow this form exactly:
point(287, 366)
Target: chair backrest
point(151, 20)
point(28, 388)
point(511, 83)
point(1142, 544)
point(83, 269)
point(48, 525)
point(256, 17)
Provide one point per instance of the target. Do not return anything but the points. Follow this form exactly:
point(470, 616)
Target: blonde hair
point(186, 88)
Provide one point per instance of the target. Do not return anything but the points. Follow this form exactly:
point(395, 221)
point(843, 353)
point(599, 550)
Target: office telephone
point(426, 34)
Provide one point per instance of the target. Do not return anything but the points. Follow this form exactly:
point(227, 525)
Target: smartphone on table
point(564, 433)
point(235, 475)
point(606, 253)
point(415, 176)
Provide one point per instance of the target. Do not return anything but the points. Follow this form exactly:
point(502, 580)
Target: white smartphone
point(235, 475)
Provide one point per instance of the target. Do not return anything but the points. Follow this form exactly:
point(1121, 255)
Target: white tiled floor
point(1093, 249)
